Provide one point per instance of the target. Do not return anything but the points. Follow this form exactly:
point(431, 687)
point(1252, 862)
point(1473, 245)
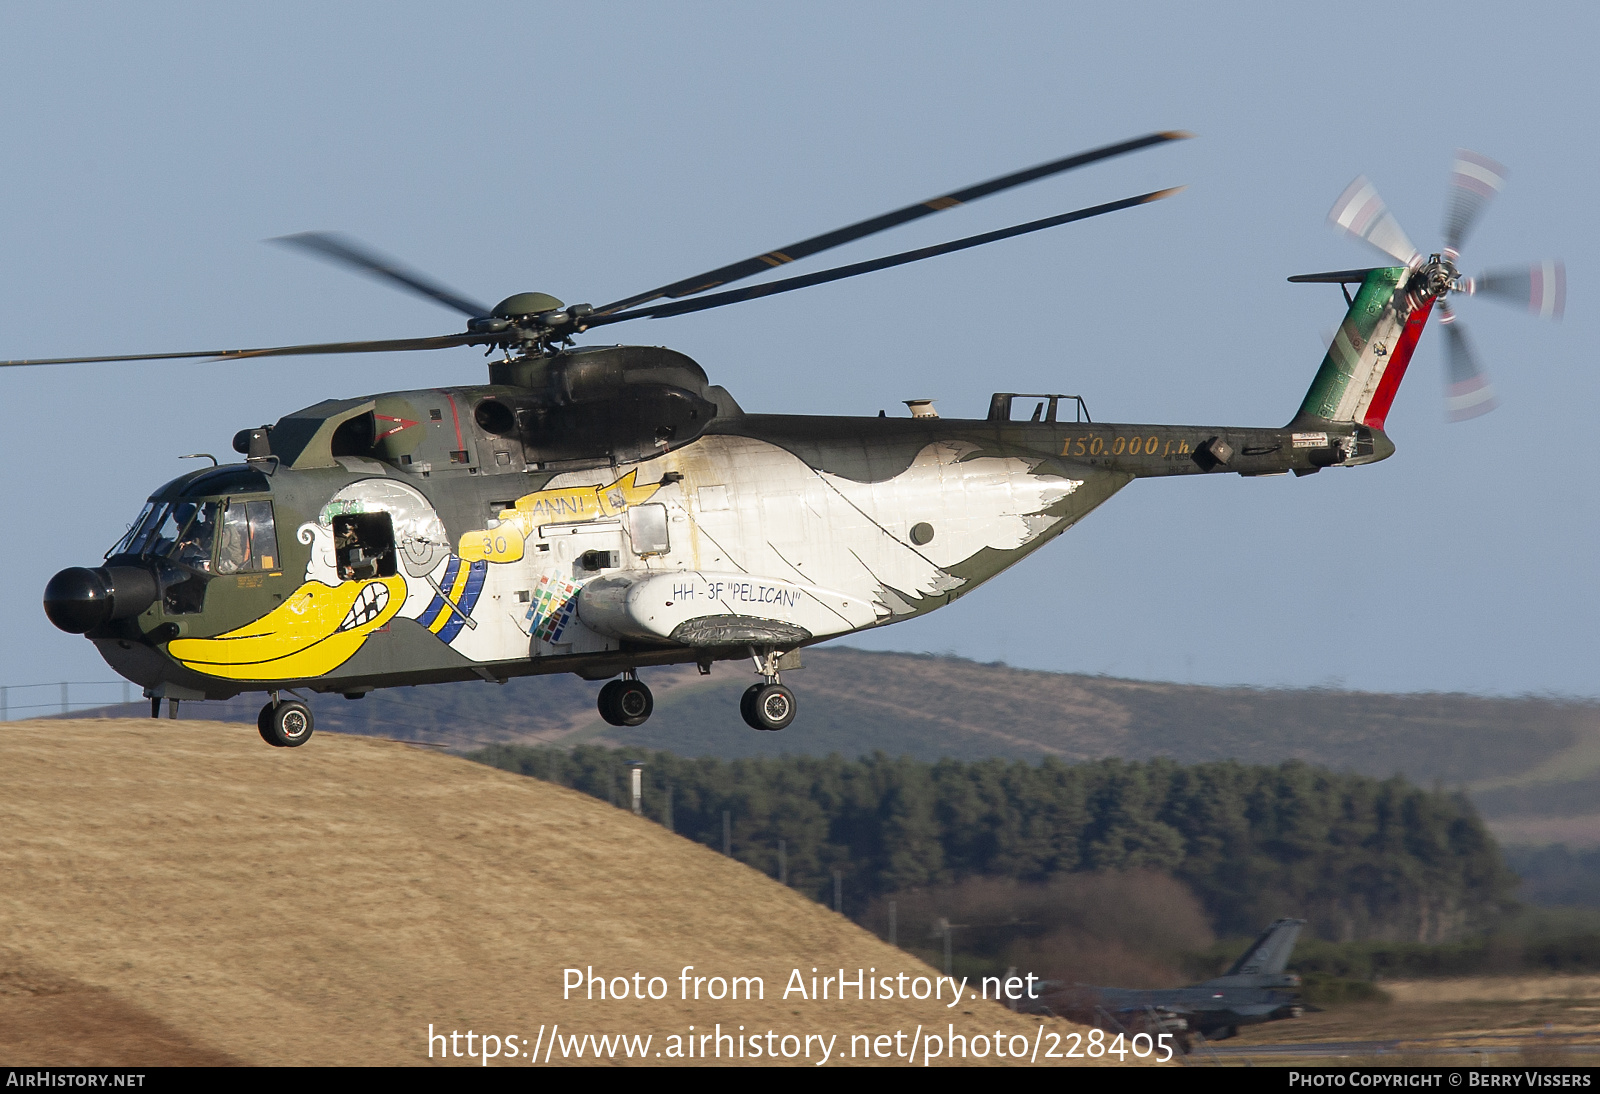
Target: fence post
point(63, 697)
point(638, 785)
point(5, 704)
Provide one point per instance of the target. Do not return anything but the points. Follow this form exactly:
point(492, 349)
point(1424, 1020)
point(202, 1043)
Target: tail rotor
point(1361, 214)
point(1467, 391)
point(1474, 181)
point(1541, 287)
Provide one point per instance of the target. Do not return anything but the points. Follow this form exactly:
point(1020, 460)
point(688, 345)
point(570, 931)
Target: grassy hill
point(177, 892)
point(1532, 764)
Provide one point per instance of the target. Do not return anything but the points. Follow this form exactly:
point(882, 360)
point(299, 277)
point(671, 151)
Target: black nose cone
point(77, 600)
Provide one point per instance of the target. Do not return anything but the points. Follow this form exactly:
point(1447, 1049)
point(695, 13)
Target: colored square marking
point(551, 608)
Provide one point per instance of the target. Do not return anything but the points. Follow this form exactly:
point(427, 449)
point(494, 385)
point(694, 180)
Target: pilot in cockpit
point(194, 548)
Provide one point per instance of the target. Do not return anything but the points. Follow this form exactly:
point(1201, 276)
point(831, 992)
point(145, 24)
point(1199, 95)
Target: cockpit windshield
point(183, 531)
point(138, 531)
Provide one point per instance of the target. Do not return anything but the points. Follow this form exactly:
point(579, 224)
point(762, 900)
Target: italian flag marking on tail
point(1368, 357)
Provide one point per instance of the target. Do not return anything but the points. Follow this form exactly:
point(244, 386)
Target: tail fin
point(1263, 963)
point(1367, 360)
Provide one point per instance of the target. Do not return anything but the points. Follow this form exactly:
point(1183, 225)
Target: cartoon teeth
point(368, 606)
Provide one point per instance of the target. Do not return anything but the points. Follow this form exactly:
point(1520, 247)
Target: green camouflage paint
point(1344, 361)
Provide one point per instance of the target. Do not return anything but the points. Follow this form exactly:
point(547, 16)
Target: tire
point(625, 703)
point(768, 707)
point(633, 703)
point(264, 726)
point(289, 724)
point(607, 703)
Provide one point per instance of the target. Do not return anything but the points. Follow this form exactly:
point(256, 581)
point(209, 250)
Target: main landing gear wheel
point(285, 725)
point(626, 703)
point(767, 706)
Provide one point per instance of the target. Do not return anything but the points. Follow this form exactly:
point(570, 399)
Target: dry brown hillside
point(179, 892)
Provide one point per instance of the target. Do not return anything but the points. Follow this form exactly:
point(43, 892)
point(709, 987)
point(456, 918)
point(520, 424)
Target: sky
point(596, 150)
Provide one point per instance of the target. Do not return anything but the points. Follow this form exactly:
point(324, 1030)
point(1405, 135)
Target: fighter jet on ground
point(1250, 992)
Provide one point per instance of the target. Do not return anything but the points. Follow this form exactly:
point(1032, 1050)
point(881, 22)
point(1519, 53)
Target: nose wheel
point(626, 702)
point(768, 706)
point(285, 724)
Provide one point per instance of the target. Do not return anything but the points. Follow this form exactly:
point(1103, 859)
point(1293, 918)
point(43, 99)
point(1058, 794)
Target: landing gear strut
point(626, 702)
point(769, 705)
point(155, 707)
point(285, 723)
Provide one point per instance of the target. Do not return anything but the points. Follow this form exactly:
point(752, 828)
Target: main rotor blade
point(1541, 288)
point(349, 252)
point(838, 273)
point(1467, 393)
point(393, 345)
point(1473, 182)
point(1361, 213)
point(737, 271)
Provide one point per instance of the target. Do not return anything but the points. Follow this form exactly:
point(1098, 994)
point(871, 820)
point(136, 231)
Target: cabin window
point(249, 539)
point(186, 597)
point(363, 546)
point(647, 528)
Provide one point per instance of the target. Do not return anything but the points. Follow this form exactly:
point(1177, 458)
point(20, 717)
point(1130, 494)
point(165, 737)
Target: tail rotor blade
point(1474, 181)
point(1468, 393)
point(1541, 288)
point(1361, 213)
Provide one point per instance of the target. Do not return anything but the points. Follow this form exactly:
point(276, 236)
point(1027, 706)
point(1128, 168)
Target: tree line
point(1361, 858)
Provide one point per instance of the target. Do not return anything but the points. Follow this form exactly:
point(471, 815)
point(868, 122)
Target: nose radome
point(78, 600)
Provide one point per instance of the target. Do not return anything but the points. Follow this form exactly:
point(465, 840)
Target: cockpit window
point(157, 516)
point(182, 531)
point(137, 531)
point(192, 545)
point(249, 538)
point(187, 532)
point(263, 535)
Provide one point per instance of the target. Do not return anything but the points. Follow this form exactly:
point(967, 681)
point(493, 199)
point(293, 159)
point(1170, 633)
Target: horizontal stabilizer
point(1335, 277)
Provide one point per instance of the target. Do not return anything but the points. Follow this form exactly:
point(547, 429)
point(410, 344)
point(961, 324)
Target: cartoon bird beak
point(316, 630)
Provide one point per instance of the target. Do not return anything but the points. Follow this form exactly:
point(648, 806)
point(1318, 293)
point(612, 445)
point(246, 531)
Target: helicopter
point(598, 509)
